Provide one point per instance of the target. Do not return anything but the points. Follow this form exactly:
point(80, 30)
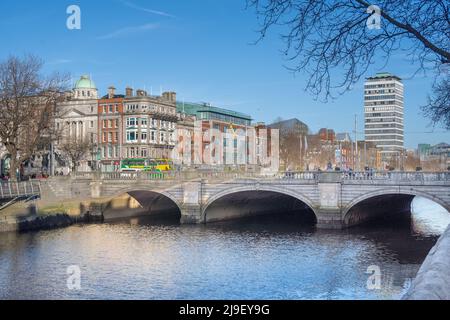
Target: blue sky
point(202, 49)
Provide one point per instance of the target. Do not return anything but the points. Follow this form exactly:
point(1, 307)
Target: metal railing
point(19, 189)
point(312, 176)
point(398, 176)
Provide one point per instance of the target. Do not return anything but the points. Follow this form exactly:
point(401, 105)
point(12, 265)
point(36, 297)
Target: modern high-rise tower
point(383, 113)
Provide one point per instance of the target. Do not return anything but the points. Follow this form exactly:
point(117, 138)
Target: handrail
point(334, 176)
point(10, 189)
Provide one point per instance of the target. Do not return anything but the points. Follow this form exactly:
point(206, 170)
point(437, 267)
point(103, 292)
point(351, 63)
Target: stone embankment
point(34, 222)
point(433, 278)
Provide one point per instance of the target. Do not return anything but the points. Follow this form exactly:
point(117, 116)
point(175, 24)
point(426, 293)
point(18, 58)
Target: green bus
point(146, 165)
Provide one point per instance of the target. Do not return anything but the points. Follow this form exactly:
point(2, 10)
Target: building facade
point(225, 121)
point(110, 132)
point(77, 122)
point(149, 125)
point(384, 114)
point(434, 156)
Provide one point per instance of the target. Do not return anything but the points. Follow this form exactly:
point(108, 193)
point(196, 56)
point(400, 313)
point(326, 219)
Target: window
point(104, 123)
point(117, 123)
point(116, 152)
point(144, 153)
point(110, 152)
point(161, 137)
point(104, 109)
point(132, 136)
point(91, 124)
point(92, 109)
point(132, 107)
point(131, 122)
point(144, 136)
point(104, 137)
point(109, 136)
point(110, 108)
point(144, 122)
point(116, 138)
point(110, 122)
point(92, 137)
point(152, 136)
point(116, 109)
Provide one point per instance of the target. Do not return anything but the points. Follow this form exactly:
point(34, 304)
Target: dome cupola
point(85, 88)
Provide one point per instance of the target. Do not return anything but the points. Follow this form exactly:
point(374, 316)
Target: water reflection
point(428, 217)
point(264, 258)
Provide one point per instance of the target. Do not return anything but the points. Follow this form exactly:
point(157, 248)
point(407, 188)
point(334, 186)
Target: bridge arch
point(151, 203)
point(397, 200)
point(163, 192)
point(281, 191)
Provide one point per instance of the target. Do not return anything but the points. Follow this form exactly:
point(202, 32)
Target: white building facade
point(78, 120)
point(384, 114)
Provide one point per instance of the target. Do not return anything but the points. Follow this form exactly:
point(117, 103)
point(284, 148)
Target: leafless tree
point(331, 43)
point(75, 149)
point(438, 106)
point(292, 135)
point(290, 153)
point(27, 107)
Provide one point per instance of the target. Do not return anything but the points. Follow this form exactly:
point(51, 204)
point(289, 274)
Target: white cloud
point(159, 13)
point(128, 31)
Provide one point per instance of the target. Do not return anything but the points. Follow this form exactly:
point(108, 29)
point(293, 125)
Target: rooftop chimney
point(170, 96)
point(111, 92)
point(129, 92)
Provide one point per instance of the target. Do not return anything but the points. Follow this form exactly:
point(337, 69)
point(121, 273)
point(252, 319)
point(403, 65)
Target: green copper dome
point(85, 82)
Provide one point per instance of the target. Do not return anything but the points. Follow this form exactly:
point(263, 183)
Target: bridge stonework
point(333, 197)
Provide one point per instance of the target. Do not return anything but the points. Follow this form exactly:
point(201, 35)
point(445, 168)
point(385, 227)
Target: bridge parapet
point(330, 194)
point(392, 177)
point(397, 177)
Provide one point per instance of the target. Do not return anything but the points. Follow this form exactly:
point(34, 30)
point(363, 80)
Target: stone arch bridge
point(336, 199)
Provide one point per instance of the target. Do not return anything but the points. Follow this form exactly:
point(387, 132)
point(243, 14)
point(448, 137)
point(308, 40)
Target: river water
point(266, 258)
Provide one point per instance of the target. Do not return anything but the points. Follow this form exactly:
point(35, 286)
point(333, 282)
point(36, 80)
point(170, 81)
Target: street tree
point(75, 149)
point(27, 107)
point(335, 42)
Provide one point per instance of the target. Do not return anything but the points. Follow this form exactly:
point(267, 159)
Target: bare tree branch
point(330, 42)
point(27, 107)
